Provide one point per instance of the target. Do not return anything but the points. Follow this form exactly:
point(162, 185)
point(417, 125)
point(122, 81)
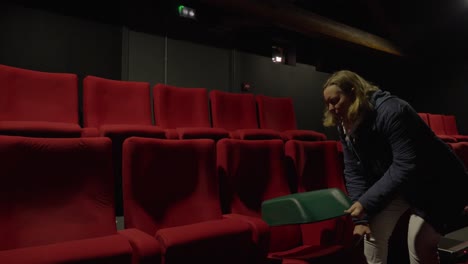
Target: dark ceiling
point(436, 29)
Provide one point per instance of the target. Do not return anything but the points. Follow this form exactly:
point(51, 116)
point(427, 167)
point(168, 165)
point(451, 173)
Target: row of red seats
point(41, 104)
point(185, 201)
point(45, 104)
point(444, 126)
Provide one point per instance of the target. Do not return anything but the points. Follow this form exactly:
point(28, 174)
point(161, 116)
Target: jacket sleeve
point(354, 178)
point(396, 124)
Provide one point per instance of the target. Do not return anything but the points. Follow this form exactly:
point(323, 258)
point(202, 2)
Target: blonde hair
point(346, 81)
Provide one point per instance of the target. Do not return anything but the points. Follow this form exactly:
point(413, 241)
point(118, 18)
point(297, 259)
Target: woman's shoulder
point(391, 105)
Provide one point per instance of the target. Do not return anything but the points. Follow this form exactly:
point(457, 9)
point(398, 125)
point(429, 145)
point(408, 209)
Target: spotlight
point(277, 54)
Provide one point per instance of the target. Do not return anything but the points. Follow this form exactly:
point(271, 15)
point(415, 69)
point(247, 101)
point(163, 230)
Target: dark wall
point(44, 41)
point(47, 41)
point(443, 88)
point(186, 64)
point(145, 56)
point(194, 65)
point(300, 82)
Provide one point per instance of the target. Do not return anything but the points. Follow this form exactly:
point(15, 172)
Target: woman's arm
point(354, 177)
point(396, 123)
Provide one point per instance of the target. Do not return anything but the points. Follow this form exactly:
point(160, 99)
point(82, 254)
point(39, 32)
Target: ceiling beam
point(307, 23)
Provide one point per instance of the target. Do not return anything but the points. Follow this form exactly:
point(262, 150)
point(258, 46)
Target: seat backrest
point(27, 95)
point(276, 113)
point(318, 165)
point(111, 102)
point(233, 111)
point(425, 118)
point(169, 183)
point(180, 106)
point(252, 171)
point(436, 122)
point(450, 124)
point(55, 190)
point(461, 150)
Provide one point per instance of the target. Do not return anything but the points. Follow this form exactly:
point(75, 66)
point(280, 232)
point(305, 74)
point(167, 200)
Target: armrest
point(40, 129)
point(306, 135)
point(306, 207)
point(124, 131)
point(223, 240)
point(171, 133)
point(146, 248)
point(260, 233)
point(89, 132)
point(256, 133)
point(108, 249)
point(202, 132)
point(260, 229)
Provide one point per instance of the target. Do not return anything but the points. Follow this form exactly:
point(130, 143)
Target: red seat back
point(233, 111)
point(276, 113)
point(254, 171)
point(436, 122)
point(180, 107)
point(169, 183)
point(461, 150)
point(424, 117)
point(450, 124)
point(28, 95)
point(318, 166)
point(112, 102)
point(55, 190)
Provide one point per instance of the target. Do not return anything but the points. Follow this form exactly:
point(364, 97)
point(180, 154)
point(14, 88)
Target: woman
point(394, 162)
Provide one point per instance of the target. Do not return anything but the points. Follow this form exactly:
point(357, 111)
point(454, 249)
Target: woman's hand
point(356, 210)
point(361, 231)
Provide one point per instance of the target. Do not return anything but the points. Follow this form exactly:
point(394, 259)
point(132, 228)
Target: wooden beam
point(307, 23)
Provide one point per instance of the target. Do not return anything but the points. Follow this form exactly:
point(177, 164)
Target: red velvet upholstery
point(38, 104)
point(115, 102)
point(40, 129)
point(253, 171)
point(238, 114)
point(171, 192)
point(57, 202)
point(118, 109)
point(450, 125)
point(317, 165)
point(461, 150)
point(103, 249)
point(424, 117)
point(146, 249)
point(436, 122)
point(184, 112)
point(277, 113)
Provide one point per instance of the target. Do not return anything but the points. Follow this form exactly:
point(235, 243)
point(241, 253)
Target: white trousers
point(422, 238)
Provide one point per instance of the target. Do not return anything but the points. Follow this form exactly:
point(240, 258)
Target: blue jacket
point(392, 151)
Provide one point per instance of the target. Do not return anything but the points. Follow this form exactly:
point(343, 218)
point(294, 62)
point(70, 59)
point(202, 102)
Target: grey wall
point(46, 41)
point(444, 90)
point(195, 65)
point(145, 55)
point(300, 82)
point(187, 64)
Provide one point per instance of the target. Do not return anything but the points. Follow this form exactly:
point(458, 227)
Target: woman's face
point(337, 101)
